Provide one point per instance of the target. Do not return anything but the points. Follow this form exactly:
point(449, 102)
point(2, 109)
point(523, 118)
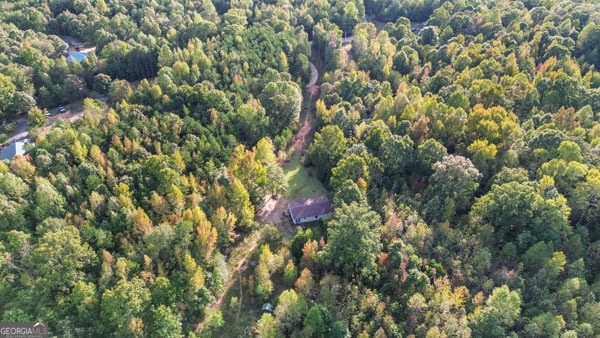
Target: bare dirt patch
point(273, 212)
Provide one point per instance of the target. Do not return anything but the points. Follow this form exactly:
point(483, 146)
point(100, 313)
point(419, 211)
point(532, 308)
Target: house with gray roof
point(310, 209)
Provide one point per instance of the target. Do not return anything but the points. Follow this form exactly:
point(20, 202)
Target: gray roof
point(16, 147)
point(309, 207)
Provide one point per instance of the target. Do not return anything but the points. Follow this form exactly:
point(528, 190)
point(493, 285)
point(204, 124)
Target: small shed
point(16, 147)
point(266, 308)
point(310, 209)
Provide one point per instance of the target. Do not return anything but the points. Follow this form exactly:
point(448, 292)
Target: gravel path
point(314, 76)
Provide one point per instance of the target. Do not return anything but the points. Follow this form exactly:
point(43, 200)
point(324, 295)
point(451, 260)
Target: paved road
point(314, 73)
point(21, 131)
point(22, 125)
point(314, 76)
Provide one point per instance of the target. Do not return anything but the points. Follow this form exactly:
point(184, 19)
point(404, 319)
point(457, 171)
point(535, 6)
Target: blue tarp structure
point(79, 56)
point(267, 307)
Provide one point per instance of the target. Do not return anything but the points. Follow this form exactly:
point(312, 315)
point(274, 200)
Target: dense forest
point(458, 141)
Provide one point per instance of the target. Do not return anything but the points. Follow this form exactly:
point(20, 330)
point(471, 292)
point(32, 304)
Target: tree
point(282, 101)
point(397, 154)
point(74, 88)
point(23, 102)
point(347, 193)
point(588, 42)
point(290, 273)
point(566, 175)
point(298, 241)
point(13, 202)
point(93, 107)
point(206, 234)
point(266, 327)
point(428, 153)
point(545, 325)
point(454, 179)
point(158, 242)
point(60, 259)
point(239, 202)
point(276, 184)
point(483, 154)
point(162, 292)
point(584, 204)
point(499, 314)
point(250, 122)
point(263, 286)
point(264, 152)
point(49, 202)
point(119, 90)
point(519, 214)
point(350, 17)
point(102, 83)
point(326, 150)
point(165, 323)
point(250, 171)
point(353, 168)
point(289, 311)
point(494, 124)
point(439, 311)
point(12, 214)
point(123, 308)
point(7, 92)
point(318, 322)
point(305, 283)
point(428, 35)
point(353, 240)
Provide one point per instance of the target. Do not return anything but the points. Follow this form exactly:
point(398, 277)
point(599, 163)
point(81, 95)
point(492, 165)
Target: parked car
point(48, 113)
point(61, 109)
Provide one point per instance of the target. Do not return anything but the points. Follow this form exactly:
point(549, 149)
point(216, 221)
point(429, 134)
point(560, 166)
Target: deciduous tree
point(353, 240)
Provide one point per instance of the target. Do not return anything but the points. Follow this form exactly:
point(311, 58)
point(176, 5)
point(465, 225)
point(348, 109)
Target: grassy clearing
point(249, 310)
point(303, 181)
point(241, 324)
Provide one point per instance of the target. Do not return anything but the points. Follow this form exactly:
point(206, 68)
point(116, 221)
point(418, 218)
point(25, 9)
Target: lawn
point(238, 324)
point(302, 181)
point(240, 315)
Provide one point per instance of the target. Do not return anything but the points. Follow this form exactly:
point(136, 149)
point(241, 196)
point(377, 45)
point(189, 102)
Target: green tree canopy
point(353, 240)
